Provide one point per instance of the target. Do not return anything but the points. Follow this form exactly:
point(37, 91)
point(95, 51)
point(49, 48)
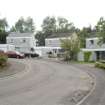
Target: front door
point(97, 55)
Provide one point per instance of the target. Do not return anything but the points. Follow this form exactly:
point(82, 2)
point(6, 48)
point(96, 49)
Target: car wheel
point(17, 57)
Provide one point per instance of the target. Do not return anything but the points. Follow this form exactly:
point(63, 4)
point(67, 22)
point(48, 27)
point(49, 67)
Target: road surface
point(98, 95)
point(44, 83)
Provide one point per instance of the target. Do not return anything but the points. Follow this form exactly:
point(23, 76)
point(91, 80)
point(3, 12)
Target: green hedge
point(100, 65)
point(3, 60)
point(87, 56)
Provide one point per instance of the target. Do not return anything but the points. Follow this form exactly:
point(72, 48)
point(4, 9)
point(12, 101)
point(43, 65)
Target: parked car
point(14, 54)
point(31, 55)
point(34, 55)
point(1, 51)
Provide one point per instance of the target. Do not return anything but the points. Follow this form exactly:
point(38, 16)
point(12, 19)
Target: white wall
point(95, 43)
point(7, 47)
point(54, 42)
point(22, 44)
point(81, 56)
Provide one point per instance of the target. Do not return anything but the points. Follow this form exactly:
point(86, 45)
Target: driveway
point(45, 83)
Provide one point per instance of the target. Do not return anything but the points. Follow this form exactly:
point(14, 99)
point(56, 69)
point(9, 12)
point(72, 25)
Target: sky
point(82, 13)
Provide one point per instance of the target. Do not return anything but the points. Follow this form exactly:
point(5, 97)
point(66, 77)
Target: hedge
point(87, 56)
point(3, 59)
point(100, 65)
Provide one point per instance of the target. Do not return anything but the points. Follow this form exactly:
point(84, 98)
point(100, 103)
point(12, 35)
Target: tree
point(52, 25)
point(83, 34)
point(64, 25)
point(71, 47)
point(23, 25)
point(13, 29)
point(100, 29)
point(41, 38)
point(19, 25)
point(3, 33)
point(49, 25)
point(29, 25)
point(3, 25)
point(3, 36)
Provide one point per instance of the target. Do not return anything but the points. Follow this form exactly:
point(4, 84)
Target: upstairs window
point(92, 41)
point(24, 40)
point(11, 41)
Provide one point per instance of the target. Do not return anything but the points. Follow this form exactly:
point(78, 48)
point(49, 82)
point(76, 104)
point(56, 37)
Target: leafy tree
point(13, 29)
point(49, 25)
point(3, 33)
point(23, 25)
point(3, 36)
point(71, 47)
point(83, 34)
point(3, 25)
point(29, 25)
point(64, 25)
point(52, 25)
point(41, 38)
point(100, 29)
point(19, 25)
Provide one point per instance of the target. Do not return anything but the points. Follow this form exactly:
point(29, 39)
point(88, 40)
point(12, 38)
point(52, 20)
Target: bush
point(87, 56)
point(3, 60)
point(100, 65)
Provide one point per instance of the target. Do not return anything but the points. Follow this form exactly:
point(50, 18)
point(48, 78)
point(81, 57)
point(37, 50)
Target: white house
point(43, 50)
point(54, 41)
point(92, 45)
point(7, 47)
point(97, 51)
point(23, 42)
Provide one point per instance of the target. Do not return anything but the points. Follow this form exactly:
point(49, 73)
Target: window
point(92, 41)
point(24, 40)
point(11, 41)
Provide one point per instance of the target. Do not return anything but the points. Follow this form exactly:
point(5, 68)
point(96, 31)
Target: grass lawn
point(81, 62)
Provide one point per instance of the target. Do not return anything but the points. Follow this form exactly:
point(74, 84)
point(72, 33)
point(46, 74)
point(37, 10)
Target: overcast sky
point(80, 12)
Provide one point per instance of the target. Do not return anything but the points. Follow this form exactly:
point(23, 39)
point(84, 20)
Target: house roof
point(15, 34)
point(59, 35)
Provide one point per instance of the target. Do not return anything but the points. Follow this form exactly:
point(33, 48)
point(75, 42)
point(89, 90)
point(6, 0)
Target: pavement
point(45, 83)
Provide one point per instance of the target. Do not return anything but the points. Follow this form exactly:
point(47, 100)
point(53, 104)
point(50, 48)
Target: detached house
point(93, 46)
point(23, 42)
point(54, 41)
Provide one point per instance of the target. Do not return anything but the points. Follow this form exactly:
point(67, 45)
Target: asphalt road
point(44, 83)
point(98, 95)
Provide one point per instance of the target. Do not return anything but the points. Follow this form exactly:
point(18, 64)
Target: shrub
point(87, 56)
point(3, 59)
point(100, 65)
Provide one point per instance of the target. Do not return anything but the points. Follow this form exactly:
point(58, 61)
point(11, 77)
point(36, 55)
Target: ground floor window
point(100, 55)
